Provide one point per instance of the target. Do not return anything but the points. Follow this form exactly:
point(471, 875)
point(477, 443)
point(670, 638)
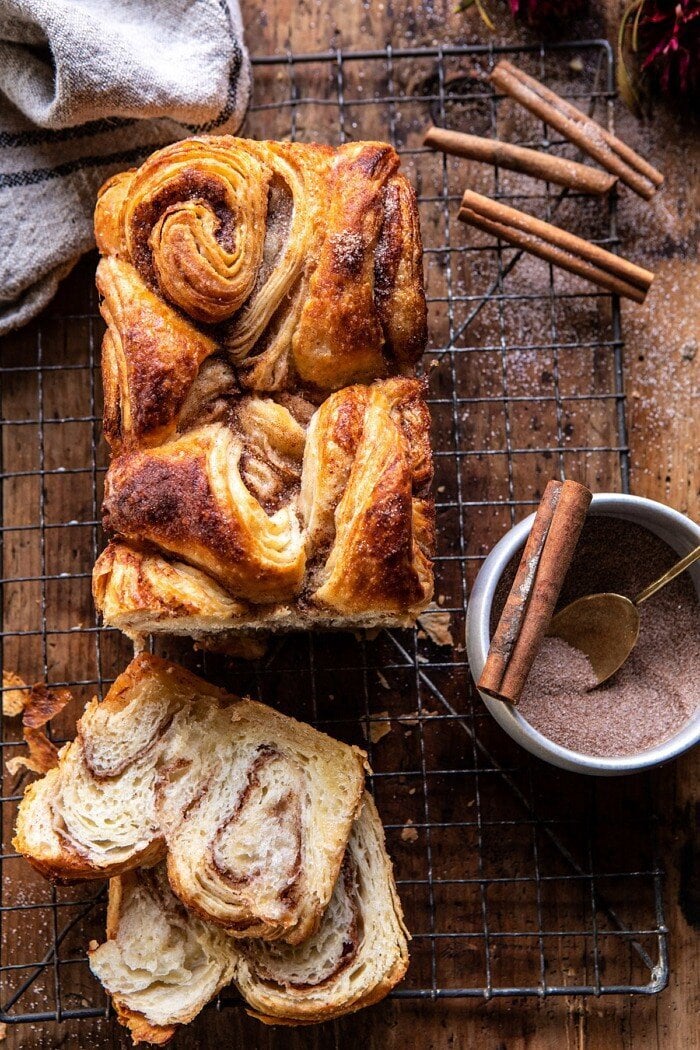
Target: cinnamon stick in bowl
point(530, 605)
point(531, 162)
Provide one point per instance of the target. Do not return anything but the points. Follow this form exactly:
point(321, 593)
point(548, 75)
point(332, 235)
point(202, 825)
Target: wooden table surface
point(661, 375)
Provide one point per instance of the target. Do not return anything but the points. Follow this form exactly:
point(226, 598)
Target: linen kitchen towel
point(89, 88)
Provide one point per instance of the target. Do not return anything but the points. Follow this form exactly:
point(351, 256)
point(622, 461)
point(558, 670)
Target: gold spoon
point(605, 626)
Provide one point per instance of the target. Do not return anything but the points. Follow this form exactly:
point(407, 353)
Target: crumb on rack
point(409, 833)
point(15, 694)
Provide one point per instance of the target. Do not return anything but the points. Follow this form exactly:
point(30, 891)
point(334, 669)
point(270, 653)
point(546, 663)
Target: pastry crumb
point(410, 720)
point(436, 623)
point(409, 833)
point(15, 694)
point(378, 727)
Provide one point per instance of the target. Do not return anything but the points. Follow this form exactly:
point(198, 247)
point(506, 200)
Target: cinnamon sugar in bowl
point(666, 719)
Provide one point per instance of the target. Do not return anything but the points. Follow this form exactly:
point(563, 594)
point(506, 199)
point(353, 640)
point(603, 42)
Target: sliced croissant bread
point(160, 963)
point(251, 809)
point(162, 966)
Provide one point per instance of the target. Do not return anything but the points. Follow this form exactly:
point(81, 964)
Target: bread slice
point(162, 966)
point(159, 963)
point(355, 958)
point(252, 810)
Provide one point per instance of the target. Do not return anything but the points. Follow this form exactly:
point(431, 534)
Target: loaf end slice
point(93, 816)
point(160, 964)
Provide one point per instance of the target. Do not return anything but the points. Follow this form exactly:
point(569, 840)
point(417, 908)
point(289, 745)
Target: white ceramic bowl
point(680, 533)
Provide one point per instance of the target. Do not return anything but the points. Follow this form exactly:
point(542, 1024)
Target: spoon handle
point(676, 570)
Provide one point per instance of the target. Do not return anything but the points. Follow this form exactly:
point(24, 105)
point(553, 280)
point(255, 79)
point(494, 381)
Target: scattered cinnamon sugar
point(656, 692)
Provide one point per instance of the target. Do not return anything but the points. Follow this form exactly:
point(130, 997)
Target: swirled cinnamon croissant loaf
point(251, 809)
point(161, 965)
point(242, 282)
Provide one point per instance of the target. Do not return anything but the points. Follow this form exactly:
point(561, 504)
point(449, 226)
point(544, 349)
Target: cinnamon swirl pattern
point(161, 965)
point(242, 283)
point(271, 514)
point(251, 810)
point(301, 263)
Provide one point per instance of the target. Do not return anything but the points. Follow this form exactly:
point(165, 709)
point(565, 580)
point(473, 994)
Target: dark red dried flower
point(669, 45)
point(538, 14)
point(543, 13)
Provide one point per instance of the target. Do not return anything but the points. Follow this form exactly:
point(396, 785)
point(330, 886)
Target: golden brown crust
point(129, 579)
point(340, 331)
point(285, 269)
point(142, 1031)
point(188, 498)
point(224, 528)
point(380, 559)
point(328, 1013)
point(40, 704)
point(398, 265)
point(230, 232)
point(109, 214)
point(148, 665)
point(150, 357)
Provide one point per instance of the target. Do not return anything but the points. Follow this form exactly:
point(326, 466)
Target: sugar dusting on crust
point(348, 252)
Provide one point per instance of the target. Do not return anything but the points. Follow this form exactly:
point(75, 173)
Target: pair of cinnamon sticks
point(557, 246)
point(610, 152)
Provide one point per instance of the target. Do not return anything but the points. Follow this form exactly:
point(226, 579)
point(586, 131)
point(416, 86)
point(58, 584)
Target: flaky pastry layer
point(263, 521)
point(161, 964)
point(250, 809)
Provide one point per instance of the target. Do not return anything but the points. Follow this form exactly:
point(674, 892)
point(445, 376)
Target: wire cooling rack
point(516, 879)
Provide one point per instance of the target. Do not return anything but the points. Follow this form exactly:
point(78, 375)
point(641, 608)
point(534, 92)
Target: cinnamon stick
point(529, 607)
point(517, 158)
point(613, 154)
point(557, 246)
